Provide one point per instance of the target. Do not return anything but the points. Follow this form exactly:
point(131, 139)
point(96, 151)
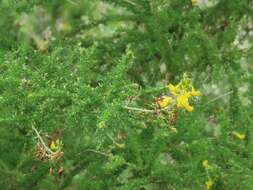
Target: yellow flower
point(194, 2)
point(182, 92)
point(238, 135)
point(183, 102)
point(164, 101)
point(195, 92)
point(101, 125)
point(209, 184)
point(55, 145)
point(173, 89)
point(205, 164)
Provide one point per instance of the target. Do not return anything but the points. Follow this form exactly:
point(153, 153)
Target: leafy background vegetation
point(71, 69)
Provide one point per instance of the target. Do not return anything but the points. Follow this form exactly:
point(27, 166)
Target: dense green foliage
point(88, 74)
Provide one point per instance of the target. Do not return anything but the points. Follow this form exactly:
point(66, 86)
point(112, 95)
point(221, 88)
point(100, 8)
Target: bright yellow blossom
point(195, 92)
point(56, 145)
point(182, 92)
point(174, 89)
point(238, 135)
point(101, 125)
point(209, 184)
point(205, 164)
point(53, 146)
point(183, 102)
point(164, 101)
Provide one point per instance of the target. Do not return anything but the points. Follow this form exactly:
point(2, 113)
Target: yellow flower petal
point(173, 89)
point(238, 135)
point(53, 146)
point(164, 101)
point(189, 108)
point(182, 102)
point(209, 184)
point(205, 163)
point(101, 125)
point(195, 92)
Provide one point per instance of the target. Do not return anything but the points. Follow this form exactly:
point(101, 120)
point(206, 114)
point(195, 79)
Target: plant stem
point(41, 140)
point(138, 109)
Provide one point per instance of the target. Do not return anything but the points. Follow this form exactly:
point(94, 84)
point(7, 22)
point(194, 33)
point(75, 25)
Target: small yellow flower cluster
point(205, 164)
point(181, 93)
point(56, 145)
point(101, 125)
point(209, 183)
point(164, 101)
point(238, 135)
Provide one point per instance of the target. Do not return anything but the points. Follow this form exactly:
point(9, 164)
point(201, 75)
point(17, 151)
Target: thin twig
point(95, 151)
point(41, 140)
point(218, 97)
point(114, 142)
point(138, 109)
point(110, 137)
point(146, 110)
